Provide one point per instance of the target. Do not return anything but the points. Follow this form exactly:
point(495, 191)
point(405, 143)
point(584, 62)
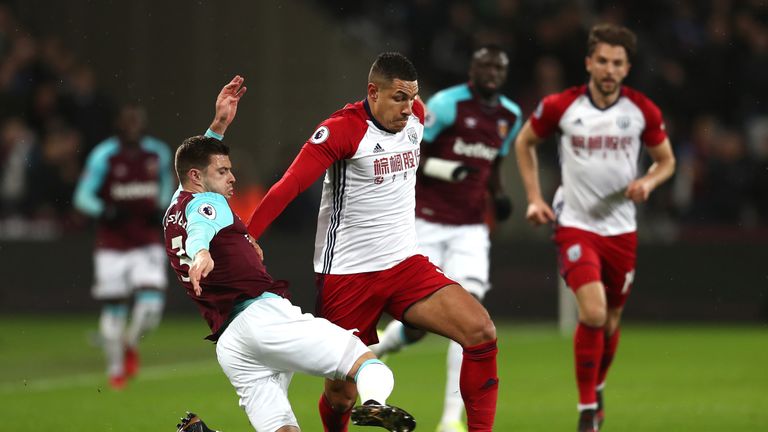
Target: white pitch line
point(148, 373)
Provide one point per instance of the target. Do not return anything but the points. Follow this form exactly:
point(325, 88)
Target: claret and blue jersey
point(460, 127)
point(136, 180)
point(196, 221)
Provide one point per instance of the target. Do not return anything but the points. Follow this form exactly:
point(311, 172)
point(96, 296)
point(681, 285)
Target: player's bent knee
point(594, 316)
point(341, 395)
point(484, 331)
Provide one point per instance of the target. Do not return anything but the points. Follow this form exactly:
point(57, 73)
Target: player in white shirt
point(365, 250)
point(468, 134)
point(603, 126)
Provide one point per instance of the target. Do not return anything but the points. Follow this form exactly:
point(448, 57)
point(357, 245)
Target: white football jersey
point(599, 152)
point(366, 220)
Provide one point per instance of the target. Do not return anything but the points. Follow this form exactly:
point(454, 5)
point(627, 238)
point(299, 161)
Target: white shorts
point(267, 342)
point(461, 251)
point(119, 273)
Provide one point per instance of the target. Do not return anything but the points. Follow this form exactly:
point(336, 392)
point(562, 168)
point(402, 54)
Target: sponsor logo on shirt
point(134, 190)
point(395, 163)
point(600, 143)
point(321, 134)
point(378, 148)
point(474, 150)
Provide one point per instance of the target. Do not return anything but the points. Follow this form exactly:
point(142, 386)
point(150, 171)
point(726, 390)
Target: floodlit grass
point(665, 378)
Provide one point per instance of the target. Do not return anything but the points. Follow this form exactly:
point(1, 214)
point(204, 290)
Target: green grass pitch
point(665, 378)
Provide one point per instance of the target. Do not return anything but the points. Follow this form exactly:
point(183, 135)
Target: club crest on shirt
point(152, 167)
point(321, 134)
point(622, 122)
point(574, 253)
point(502, 126)
point(120, 170)
point(470, 122)
point(412, 135)
point(207, 211)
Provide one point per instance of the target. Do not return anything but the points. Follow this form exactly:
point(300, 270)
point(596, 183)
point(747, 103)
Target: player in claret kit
point(261, 338)
point(468, 132)
point(603, 127)
point(126, 183)
point(365, 247)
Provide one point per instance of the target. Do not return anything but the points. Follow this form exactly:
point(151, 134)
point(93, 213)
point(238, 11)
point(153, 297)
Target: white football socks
point(147, 311)
point(375, 381)
point(112, 329)
point(453, 405)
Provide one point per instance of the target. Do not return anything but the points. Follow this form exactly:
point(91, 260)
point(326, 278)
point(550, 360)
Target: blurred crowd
point(703, 62)
point(51, 114)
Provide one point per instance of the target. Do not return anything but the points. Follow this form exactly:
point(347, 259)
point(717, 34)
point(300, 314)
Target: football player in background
point(467, 135)
point(603, 126)
point(126, 183)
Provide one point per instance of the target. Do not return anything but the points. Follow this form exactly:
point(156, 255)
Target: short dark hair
point(491, 47)
point(612, 35)
point(195, 152)
point(389, 66)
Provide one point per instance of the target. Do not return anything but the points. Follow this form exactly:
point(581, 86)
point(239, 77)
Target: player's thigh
point(110, 275)
point(619, 258)
point(577, 256)
point(410, 282)
point(354, 301)
point(147, 267)
point(432, 240)
point(266, 403)
point(454, 313)
point(467, 259)
point(279, 337)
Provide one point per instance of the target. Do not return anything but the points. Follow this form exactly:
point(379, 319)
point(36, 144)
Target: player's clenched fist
point(539, 213)
point(639, 190)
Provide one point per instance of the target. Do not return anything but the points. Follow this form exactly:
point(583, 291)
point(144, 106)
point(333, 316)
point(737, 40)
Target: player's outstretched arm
point(304, 170)
point(201, 266)
point(538, 212)
point(226, 104)
point(662, 169)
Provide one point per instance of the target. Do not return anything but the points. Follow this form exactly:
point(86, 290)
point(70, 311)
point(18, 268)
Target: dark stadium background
point(66, 66)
